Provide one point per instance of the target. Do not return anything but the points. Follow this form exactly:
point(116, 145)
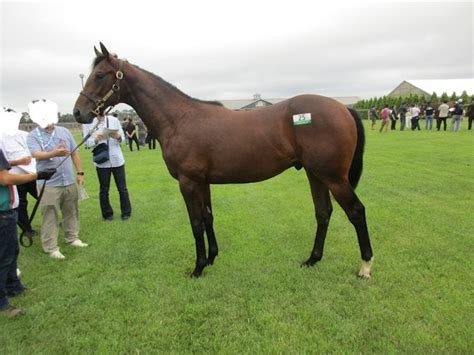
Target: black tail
point(356, 167)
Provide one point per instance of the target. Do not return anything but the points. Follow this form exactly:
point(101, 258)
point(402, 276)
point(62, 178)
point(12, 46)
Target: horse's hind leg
point(208, 223)
point(323, 210)
point(355, 211)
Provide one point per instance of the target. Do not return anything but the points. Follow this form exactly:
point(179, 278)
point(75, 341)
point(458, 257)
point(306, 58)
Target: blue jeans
point(429, 122)
point(10, 284)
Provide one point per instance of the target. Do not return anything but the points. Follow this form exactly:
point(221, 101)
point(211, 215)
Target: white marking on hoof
point(365, 268)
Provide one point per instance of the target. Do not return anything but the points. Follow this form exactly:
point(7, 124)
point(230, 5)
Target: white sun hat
point(43, 112)
point(9, 121)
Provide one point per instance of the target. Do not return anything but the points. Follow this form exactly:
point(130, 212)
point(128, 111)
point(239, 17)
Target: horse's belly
point(251, 170)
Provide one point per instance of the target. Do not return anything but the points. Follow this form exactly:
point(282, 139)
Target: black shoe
point(109, 218)
point(24, 292)
point(124, 218)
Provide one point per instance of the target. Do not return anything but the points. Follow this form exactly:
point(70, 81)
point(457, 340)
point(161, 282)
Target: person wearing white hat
point(50, 144)
point(14, 146)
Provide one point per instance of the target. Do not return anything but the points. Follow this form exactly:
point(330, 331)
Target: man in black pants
point(470, 113)
point(132, 134)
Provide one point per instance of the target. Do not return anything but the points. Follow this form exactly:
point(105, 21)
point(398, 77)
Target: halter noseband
point(100, 103)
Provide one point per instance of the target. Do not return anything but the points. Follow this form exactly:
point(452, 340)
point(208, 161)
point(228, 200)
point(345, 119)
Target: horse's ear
point(97, 53)
point(104, 50)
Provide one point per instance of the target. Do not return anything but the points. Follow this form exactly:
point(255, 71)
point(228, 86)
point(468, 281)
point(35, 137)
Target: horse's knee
point(197, 226)
point(208, 219)
point(323, 217)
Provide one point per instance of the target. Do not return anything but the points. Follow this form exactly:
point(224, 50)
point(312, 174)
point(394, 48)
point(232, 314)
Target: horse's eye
point(100, 75)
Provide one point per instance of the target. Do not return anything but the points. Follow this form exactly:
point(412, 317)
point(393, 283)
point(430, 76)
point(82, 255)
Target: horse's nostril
point(77, 113)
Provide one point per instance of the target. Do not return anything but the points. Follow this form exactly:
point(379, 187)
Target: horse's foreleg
point(208, 222)
point(323, 211)
point(355, 211)
point(193, 194)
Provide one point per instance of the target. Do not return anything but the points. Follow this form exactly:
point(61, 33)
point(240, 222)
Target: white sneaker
point(57, 255)
point(78, 243)
point(18, 272)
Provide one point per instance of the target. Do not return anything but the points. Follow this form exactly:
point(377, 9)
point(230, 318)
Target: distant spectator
point(132, 134)
point(150, 139)
point(373, 116)
point(141, 132)
point(393, 118)
point(457, 116)
point(124, 126)
point(470, 113)
point(385, 117)
point(443, 111)
point(415, 117)
point(429, 114)
point(403, 116)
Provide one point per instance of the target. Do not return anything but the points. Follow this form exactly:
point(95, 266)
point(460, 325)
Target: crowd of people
point(45, 163)
point(409, 116)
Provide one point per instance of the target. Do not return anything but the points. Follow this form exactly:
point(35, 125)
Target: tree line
point(67, 117)
point(420, 100)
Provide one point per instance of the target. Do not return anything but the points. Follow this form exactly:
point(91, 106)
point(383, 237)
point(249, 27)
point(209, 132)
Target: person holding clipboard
point(109, 132)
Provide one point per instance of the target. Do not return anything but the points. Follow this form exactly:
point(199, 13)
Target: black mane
point(97, 60)
point(175, 89)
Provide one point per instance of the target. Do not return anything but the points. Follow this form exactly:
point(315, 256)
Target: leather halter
point(100, 103)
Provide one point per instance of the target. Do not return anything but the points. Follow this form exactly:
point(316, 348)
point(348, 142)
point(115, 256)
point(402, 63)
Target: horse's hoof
point(364, 272)
point(195, 274)
point(308, 263)
point(209, 261)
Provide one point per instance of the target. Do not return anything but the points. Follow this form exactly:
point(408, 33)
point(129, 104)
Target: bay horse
point(204, 143)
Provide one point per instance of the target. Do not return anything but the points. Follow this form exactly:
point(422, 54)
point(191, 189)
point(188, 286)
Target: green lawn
point(129, 291)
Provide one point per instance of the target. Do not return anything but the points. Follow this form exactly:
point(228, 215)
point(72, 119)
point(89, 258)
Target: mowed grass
point(129, 291)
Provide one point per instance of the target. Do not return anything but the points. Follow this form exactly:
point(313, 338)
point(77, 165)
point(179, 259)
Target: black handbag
point(100, 153)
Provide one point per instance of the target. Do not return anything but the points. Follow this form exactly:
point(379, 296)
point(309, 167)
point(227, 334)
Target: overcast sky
point(233, 49)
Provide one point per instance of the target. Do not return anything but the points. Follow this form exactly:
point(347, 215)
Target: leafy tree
point(444, 97)
point(465, 97)
point(453, 96)
point(67, 117)
point(434, 97)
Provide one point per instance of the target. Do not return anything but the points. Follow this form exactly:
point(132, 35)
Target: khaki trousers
point(62, 199)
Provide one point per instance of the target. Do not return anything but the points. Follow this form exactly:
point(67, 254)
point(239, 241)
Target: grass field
point(129, 291)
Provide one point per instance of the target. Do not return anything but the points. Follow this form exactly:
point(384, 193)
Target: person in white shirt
point(443, 111)
point(110, 133)
point(14, 146)
point(415, 117)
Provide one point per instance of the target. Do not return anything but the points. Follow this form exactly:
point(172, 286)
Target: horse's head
point(102, 89)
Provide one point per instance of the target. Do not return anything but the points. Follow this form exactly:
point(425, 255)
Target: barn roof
point(443, 85)
point(239, 104)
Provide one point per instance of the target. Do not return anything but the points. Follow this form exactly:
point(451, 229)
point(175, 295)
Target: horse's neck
point(158, 105)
